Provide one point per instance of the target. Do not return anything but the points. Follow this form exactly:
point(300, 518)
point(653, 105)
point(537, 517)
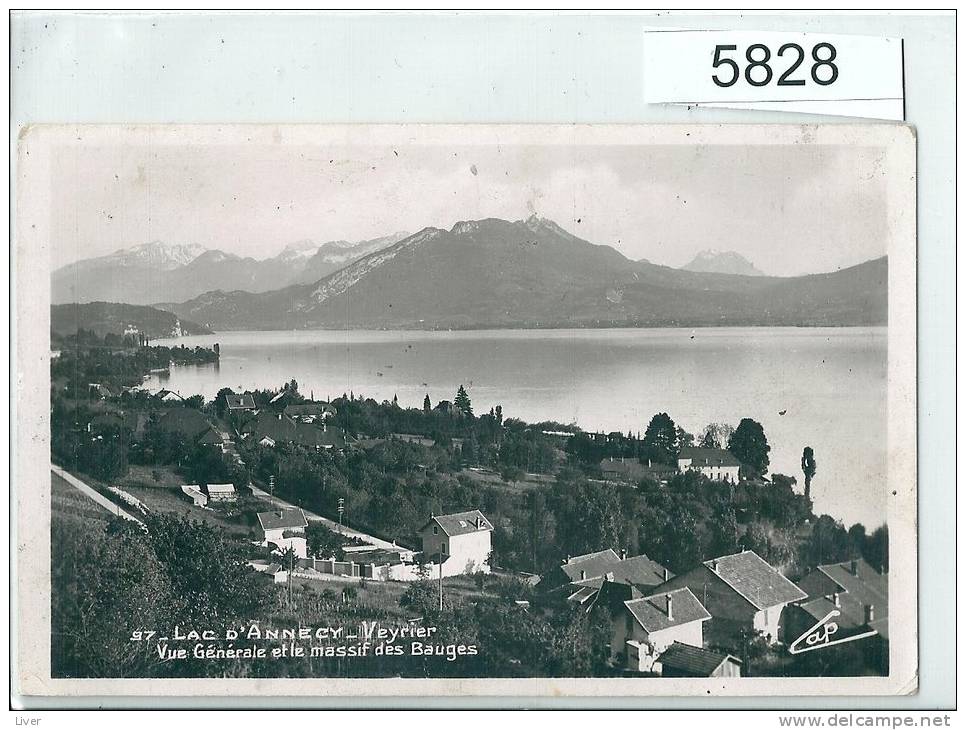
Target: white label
point(814, 73)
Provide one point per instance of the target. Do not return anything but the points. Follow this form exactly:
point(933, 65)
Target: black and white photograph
point(614, 404)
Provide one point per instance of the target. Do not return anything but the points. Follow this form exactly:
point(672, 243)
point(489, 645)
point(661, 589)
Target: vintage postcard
point(466, 410)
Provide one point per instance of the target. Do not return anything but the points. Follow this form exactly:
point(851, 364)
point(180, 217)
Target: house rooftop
point(864, 587)
point(282, 519)
point(591, 565)
point(708, 457)
point(460, 523)
point(694, 660)
point(755, 580)
point(652, 612)
point(221, 488)
point(239, 400)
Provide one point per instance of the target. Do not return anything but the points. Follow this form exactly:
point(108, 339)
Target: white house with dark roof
point(742, 592)
point(284, 528)
point(647, 626)
point(459, 542)
point(716, 464)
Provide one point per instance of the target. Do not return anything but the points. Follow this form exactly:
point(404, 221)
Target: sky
point(789, 209)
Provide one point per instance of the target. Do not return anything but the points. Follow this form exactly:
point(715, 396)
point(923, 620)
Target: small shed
point(684, 660)
point(222, 493)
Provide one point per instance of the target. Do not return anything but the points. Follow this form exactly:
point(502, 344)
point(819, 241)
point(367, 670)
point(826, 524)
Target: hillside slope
point(110, 317)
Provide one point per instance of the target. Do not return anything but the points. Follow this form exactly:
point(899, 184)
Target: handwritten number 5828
point(758, 70)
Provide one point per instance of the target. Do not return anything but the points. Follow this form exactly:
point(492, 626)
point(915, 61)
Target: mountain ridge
point(149, 272)
point(533, 273)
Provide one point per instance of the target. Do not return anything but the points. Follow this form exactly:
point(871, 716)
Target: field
point(67, 504)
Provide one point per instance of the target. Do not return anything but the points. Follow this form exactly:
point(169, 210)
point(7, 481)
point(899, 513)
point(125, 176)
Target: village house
point(853, 588)
point(684, 660)
point(167, 396)
point(743, 594)
point(191, 424)
point(193, 493)
point(310, 412)
point(459, 543)
point(621, 470)
point(239, 402)
point(716, 464)
point(412, 438)
point(269, 429)
point(276, 523)
point(221, 493)
point(584, 574)
point(647, 626)
point(103, 390)
point(284, 528)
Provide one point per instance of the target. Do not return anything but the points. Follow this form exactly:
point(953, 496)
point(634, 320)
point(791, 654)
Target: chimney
point(623, 553)
point(854, 567)
point(714, 565)
point(583, 575)
point(667, 575)
point(670, 612)
point(869, 613)
point(836, 600)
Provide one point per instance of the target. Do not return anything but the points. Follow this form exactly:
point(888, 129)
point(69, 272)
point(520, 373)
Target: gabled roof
point(755, 580)
point(186, 421)
point(640, 570)
point(651, 612)
point(612, 595)
point(460, 523)
point(221, 488)
point(694, 660)
point(708, 457)
point(282, 519)
point(582, 595)
point(591, 565)
point(239, 400)
point(311, 408)
point(865, 587)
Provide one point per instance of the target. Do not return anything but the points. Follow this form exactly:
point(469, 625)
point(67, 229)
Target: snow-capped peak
point(159, 255)
point(304, 249)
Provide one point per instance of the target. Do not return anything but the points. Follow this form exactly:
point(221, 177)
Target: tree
point(427, 404)
point(809, 467)
point(724, 530)
point(716, 436)
point(828, 543)
point(661, 439)
point(323, 542)
point(104, 588)
point(749, 445)
point(876, 551)
point(208, 572)
point(462, 402)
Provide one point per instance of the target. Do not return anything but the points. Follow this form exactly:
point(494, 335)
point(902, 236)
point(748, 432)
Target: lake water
point(829, 383)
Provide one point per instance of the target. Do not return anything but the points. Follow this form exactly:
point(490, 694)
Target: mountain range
point(533, 273)
point(157, 271)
